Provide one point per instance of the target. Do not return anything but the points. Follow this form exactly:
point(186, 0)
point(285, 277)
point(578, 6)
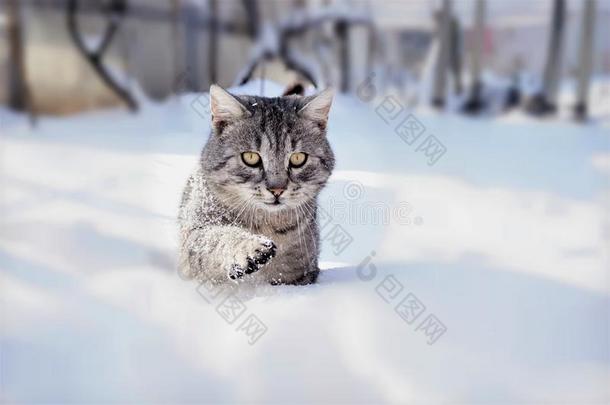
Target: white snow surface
point(505, 240)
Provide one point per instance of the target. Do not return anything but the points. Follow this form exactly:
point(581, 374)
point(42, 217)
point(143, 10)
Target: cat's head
point(269, 153)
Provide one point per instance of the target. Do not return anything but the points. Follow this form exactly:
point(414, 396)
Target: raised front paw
point(254, 254)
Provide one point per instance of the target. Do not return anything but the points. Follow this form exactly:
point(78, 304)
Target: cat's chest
point(297, 249)
point(287, 232)
point(285, 235)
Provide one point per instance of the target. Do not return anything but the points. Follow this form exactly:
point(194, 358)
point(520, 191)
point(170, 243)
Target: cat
point(249, 210)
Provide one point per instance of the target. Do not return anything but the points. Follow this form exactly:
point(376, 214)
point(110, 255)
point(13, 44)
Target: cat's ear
point(317, 107)
point(225, 107)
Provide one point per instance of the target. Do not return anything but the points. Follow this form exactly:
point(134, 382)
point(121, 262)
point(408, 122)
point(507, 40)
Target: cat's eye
point(251, 158)
point(298, 159)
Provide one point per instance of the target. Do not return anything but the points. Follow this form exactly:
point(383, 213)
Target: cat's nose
point(277, 191)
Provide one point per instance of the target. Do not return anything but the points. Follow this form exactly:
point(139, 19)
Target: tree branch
point(95, 58)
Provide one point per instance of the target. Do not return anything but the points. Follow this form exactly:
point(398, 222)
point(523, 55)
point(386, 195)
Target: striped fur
point(231, 226)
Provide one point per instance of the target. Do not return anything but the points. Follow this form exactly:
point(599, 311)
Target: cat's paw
point(256, 252)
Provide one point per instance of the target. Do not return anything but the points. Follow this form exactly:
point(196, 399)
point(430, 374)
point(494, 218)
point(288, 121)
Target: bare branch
point(95, 58)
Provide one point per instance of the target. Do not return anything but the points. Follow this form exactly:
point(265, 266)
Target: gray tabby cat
point(249, 210)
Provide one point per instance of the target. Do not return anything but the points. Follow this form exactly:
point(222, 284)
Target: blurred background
point(165, 47)
point(472, 189)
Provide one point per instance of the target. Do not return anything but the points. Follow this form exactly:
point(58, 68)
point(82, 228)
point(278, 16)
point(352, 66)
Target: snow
point(505, 240)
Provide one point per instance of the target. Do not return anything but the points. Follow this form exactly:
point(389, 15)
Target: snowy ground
point(505, 241)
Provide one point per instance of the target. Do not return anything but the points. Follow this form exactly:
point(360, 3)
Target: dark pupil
point(250, 157)
point(300, 159)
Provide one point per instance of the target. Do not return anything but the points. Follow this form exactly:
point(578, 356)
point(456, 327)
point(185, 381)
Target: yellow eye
point(298, 159)
point(251, 158)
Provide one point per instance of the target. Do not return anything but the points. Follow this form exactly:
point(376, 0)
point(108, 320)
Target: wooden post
point(545, 102)
point(213, 42)
point(586, 59)
point(455, 54)
point(552, 70)
point(180, 74)
point(440, 76)
point(475, 103)
point(19, 94)
point(191, 48)
point(344, 55)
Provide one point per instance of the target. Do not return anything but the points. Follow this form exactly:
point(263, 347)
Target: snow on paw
point(255, 253)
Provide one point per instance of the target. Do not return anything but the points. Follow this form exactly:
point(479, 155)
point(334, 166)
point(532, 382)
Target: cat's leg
point(308, 278)
point(224, 252)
